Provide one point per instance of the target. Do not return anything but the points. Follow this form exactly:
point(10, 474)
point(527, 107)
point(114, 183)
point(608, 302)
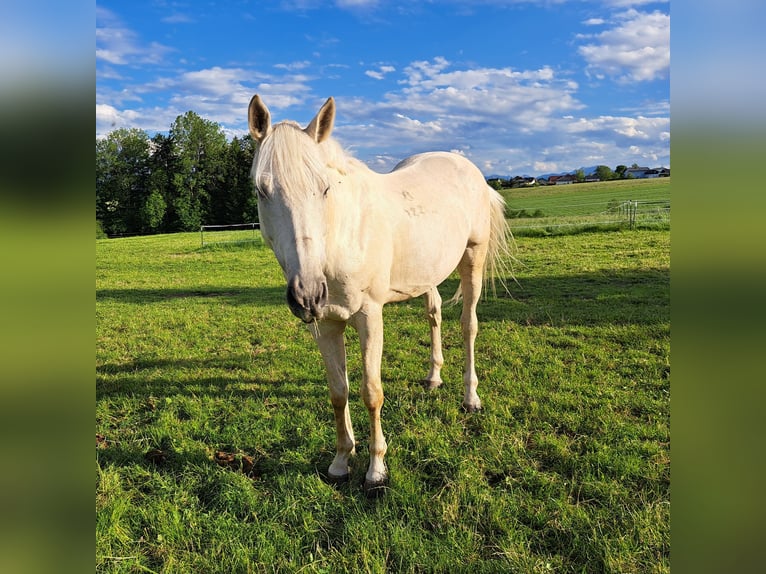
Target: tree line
point(176, 182)
point(602, 172)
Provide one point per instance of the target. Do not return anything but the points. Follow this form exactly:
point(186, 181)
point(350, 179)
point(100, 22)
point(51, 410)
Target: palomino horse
point(350, 240)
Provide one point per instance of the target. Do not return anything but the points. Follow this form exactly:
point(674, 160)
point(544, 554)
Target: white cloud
point(293, 66)
point(636, 49)
point(118, 45)
point(380, 73)
point(508, 121)
point(109, 118)
point(482, 112)
point(218, 94)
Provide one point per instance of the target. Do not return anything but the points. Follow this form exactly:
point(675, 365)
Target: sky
point(520, 87)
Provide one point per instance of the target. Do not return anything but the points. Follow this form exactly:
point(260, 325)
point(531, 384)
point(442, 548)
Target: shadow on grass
point(604, 297)
point(213, 377)
point(231, 296)
point(600, 297)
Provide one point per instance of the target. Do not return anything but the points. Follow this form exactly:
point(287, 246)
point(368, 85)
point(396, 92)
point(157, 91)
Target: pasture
point(214, 427)
point(607, 205)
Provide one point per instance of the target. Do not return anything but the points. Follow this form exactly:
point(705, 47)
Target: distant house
point(520, 181)
point(561, 179)
point(647, 173)
point(637, 172)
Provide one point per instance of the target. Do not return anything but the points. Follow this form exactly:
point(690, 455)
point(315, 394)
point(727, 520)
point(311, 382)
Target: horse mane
point(300, 164)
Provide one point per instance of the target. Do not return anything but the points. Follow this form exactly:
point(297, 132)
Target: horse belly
point(426, 255)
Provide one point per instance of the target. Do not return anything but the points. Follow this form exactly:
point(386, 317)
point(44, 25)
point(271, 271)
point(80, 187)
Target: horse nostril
point(306, 299)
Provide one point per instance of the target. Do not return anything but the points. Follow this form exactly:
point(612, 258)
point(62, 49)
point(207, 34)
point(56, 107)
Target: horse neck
point(352, 200)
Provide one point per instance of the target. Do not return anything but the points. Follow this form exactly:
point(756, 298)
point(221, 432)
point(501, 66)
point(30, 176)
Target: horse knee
point(373, 398)
point(339, 401)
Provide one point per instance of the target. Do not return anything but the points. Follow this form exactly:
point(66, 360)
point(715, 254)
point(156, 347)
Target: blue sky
point(521, 87)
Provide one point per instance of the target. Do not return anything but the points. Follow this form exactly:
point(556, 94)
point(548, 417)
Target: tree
point(122, 174)
point(580, 175)
point(173, 182)
point(153, 212)
point(199, 146)
point(163, 166)
point(240, 202)
point(620, 171)
point(495, 183)
point(604, 173)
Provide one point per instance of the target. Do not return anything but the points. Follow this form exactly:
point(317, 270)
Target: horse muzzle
point(306, 298)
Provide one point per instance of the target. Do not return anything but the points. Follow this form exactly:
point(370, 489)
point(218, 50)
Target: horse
point(349, 240)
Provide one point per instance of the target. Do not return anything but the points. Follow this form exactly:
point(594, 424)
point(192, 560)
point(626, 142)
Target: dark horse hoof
point(375, 490)
point(337, 480)
point(472, 408)
point(431, 385)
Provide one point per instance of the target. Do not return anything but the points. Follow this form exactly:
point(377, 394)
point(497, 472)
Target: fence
point(568, 217)
point(229, 234)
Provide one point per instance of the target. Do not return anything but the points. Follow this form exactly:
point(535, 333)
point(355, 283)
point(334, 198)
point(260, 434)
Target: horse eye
point(324, 194)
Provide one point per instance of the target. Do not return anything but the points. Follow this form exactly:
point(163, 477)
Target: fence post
point(202, 235)
point(633, 208)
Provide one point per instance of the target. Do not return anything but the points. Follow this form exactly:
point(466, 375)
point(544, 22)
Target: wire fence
point(628, 213)
point(236, 233)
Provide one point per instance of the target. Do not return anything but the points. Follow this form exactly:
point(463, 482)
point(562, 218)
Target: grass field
point(604, 205)
point(214, 427)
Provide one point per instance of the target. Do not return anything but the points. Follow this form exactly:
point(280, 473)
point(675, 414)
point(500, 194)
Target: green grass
point(564, 209)
point(566, 470)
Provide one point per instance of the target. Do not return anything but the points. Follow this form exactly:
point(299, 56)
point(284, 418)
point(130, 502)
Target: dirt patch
point(238, 462)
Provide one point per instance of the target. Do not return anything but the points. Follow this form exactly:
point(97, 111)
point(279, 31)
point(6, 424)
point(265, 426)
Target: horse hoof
point(431, 385)
point(375, 490)
point(473, 408)
point(337, 479)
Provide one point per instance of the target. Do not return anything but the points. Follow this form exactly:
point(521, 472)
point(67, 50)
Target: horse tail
point(500, 258)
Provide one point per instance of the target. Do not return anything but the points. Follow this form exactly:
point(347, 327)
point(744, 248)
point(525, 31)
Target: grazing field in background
point(214, 427)
point(607, 205)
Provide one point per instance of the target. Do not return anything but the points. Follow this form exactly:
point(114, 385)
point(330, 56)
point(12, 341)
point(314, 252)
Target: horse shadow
point(602, 297)
point(238, 295)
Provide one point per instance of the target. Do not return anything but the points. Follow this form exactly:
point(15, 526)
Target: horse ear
point(258, 119)
point(321, 126)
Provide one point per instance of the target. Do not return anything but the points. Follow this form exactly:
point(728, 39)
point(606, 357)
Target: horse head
point(290, 179)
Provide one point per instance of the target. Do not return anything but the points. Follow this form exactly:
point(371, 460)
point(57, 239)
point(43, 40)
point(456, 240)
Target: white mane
point(299, 164)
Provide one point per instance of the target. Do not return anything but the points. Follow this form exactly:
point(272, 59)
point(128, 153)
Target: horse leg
point(369, 324)
point(329, 338)
point(434, 312)
point(471, 270)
